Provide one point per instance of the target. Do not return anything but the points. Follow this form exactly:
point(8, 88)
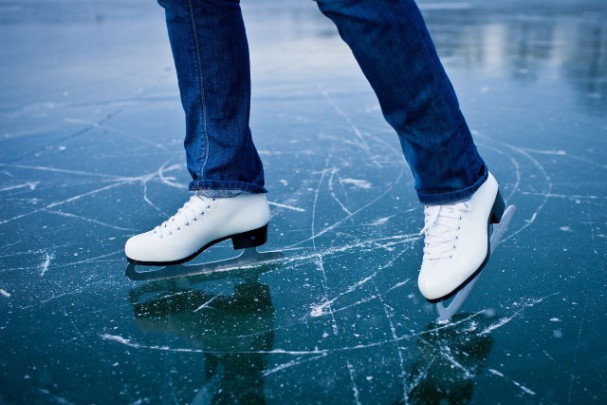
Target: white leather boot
point(457, 241)
point(200, 223)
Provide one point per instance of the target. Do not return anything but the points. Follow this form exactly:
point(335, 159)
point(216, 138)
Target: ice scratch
point(31, 185)
point(206, 304)
point(94, 221)
point(401, 360)
point(354, 386)
point(519, 385)
point(46, 263)
point(127, 342)
point(327, 303)
point(503, 321)
point(362, 143)
point(291, 363)
point(285, 206)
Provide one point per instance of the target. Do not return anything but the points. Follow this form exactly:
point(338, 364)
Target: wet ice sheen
point(91, 133)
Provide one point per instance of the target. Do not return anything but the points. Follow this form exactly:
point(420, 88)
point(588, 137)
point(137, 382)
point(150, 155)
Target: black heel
point(498, 209)
point(256, 237)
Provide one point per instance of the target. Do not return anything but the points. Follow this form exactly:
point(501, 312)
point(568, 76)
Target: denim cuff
point(451, 197)
point(219, 193)
point(224, 189)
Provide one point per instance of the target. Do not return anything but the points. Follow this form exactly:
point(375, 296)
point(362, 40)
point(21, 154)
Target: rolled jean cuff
point(451, 197)
point(224, 189)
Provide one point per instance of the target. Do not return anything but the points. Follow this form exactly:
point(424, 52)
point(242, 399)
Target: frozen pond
point(91, 153)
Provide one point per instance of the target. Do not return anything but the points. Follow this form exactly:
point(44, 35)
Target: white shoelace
point(193, 209)
point(442, 226)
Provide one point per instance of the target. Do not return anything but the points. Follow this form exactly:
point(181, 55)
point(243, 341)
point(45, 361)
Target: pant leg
point(391, 43)
point(211, 54)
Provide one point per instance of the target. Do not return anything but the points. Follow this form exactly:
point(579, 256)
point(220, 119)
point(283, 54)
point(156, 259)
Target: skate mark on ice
point(355, 390)
point(293, 363)
point(388, 312)
point(332, 191)
point(362, 143)
point(337, 223)
point(286, 206)
point(524, 389)
point(91, 220)
point(319, 310)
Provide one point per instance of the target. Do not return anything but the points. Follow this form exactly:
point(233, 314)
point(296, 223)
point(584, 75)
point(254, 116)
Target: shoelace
point(191, 211)
point(442, 226)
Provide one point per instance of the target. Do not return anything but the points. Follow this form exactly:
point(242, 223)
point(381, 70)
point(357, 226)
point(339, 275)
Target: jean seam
point(203, 112)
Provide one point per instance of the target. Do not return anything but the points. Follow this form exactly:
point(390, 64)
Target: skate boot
point(456, 240)
point(199, 224)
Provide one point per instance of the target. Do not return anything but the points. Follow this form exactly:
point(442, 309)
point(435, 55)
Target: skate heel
point(498, 209)
point(250, 239)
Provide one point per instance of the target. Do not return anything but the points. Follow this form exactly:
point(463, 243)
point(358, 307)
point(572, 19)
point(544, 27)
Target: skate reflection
point(448, 361)
point(233, 331)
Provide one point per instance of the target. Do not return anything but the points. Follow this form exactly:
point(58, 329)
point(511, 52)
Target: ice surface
point(90, 153)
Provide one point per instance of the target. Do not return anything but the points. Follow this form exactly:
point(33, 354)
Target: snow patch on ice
point(364, 184)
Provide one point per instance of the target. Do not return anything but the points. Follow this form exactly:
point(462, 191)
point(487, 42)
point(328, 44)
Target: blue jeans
point(390, 42)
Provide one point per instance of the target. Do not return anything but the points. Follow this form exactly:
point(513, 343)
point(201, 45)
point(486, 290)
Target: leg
point(390, 41)
point(211, 56)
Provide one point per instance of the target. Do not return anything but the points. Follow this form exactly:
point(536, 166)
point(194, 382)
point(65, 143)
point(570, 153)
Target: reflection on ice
point(232, 331)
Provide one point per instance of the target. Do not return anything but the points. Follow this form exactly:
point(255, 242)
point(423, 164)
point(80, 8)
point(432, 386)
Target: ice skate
point(457, 242)
point(199, 224)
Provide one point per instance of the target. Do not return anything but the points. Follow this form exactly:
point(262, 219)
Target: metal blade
point(250, 257)
point(446, 312)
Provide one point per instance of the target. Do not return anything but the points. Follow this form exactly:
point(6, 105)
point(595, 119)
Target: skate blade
point(446, 312)
point(249, 257)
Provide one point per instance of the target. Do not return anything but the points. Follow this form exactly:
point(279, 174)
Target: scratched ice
point(90, 136)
